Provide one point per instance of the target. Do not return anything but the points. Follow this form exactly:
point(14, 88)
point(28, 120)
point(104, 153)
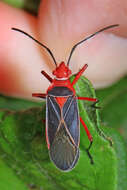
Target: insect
point(62, 114)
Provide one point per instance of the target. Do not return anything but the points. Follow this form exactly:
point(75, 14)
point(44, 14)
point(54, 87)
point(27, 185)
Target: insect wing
point(61, 128)
point(63, 152)
point(53, 113)
point(71, 118)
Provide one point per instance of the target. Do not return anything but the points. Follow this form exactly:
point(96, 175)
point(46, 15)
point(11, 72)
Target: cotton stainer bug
point(62, 115)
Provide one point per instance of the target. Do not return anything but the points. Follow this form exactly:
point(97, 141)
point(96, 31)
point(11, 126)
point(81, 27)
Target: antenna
point(49, 51)
point(101, 30)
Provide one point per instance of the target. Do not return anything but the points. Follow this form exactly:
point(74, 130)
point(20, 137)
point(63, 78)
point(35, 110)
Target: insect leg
point(90, 139)
point(88, 153)
point(94, 105)
point(78, 75)
point(86, 129)
point(95, 100)
point(88, 99)
point(39, 95)
point(47, 76)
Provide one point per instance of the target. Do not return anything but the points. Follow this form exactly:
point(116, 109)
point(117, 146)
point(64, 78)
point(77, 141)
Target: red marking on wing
point(61, 101)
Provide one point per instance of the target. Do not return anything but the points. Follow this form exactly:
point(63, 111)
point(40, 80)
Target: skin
point(59, 25)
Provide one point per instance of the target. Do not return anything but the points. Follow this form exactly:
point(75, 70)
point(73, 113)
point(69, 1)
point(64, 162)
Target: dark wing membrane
point(52, 117)
point(71, 118)
point(63, 152)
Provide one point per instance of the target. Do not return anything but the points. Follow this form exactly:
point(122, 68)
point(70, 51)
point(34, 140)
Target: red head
point(62, 71)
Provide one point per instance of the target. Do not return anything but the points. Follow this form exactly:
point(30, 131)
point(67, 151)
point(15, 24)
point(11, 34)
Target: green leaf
point(114, 106)
point(121, 153)
point(8, 180)
point(24, 151)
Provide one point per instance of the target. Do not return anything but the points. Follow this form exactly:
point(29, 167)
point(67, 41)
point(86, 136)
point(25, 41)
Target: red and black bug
point(62, 115)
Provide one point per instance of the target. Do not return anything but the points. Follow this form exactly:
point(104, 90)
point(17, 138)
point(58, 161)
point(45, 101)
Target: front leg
point(78, 75)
